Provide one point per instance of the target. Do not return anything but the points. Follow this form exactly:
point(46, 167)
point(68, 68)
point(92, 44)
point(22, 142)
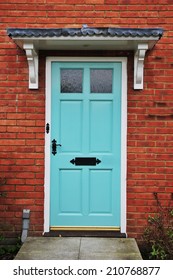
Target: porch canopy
point(138, 40)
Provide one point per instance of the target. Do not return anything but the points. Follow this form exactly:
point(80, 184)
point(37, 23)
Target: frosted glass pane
point(101, 80)
point(71, 80)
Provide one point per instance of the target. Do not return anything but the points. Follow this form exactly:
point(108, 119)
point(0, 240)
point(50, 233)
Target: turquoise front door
point(86, 144)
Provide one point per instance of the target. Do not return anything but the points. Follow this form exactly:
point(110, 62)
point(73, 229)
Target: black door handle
point(54, 145)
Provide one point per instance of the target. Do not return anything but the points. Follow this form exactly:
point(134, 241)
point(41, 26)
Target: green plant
point(9, 251)
point(158, 235)
point(158, 252)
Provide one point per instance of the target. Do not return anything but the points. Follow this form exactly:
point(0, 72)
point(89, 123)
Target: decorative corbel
point(32, 57)
point(139, 65)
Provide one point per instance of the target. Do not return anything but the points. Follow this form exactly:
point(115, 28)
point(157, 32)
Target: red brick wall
point(22, 111)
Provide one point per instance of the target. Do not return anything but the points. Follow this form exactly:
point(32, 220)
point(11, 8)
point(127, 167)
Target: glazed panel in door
point(86, 123)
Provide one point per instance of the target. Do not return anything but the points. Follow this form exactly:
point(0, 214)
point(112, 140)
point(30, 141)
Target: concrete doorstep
point(78, 248)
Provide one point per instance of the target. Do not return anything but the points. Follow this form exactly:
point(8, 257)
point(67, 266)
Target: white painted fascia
point(138, 45)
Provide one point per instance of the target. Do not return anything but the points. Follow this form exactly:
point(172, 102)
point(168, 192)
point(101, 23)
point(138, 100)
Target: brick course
point(22, 111)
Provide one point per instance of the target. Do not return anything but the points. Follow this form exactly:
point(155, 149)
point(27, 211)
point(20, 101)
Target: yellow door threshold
point(85, 232)
point(90, 228)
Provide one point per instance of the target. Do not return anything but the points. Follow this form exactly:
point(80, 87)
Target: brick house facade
point(22, 110)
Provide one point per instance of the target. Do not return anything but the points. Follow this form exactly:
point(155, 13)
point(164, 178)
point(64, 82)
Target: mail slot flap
point(85, 161)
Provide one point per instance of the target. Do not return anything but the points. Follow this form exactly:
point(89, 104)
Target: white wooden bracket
point(139, 65)
point(32, 57)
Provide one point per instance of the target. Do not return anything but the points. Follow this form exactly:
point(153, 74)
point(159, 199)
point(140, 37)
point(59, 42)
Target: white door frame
point(123, 60)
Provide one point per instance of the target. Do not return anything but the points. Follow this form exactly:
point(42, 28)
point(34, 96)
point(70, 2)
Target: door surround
point(123, 60)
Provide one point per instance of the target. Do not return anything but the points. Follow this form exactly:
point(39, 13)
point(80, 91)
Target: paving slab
point(109, 249)
point(78, 248)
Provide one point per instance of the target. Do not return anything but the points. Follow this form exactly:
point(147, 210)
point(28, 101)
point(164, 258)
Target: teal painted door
point(86, 122)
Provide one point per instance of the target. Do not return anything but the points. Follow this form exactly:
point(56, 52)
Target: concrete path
point(78, 248)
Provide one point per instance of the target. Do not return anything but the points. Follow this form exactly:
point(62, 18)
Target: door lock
point(54, 145)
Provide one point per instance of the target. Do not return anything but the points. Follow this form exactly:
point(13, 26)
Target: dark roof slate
point(85, 31)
